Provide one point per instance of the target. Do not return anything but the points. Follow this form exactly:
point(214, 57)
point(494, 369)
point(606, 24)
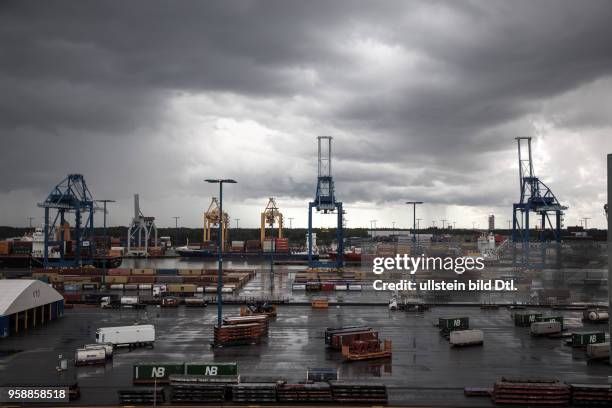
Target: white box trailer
point(137, 335)
point(544, 328)
point(107, 347)
point(89, 356)
point(466, 337)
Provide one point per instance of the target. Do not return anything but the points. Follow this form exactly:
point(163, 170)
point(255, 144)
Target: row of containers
point(178, 281)
point(593, 341)
point(529, 391)
point(253, 245)
point(220, 382)
point(328, 281)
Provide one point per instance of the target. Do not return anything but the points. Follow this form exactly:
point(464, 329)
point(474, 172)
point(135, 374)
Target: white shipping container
point(126, 335)
point(466, 337)
point(598, 350)
point(130, 286)
point(226, 289)
point(210, 289)
point(354, 287)
point(89, 356)
point(129, 300)
point(200, 289)
point(341, 287)
point(116, 286)
point(107, 347)
point(298, 287)
point(144, 286)
point(539, 328)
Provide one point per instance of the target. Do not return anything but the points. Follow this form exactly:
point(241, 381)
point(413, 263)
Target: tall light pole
point(176, 230)
point(418, 223)
point(414, 204)
point(609, 249)
point(105, 235)
point(454, 222)
point(291, 222)
point(219, 248)
point(509, 224)
point(237, 219)
point(30, 220)
point(443, 221)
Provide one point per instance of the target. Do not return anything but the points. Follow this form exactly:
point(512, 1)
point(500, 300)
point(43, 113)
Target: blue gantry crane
point(325, 201)
point(71, 195)
point(536, 197)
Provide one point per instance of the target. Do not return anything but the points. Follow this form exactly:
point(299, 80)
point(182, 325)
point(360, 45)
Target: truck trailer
point(132, 336)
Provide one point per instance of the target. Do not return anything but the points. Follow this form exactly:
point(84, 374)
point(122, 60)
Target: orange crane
point(212, 219)
point(269, 217)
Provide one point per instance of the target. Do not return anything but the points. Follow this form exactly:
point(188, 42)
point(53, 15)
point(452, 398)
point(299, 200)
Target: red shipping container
point(71, 297)
point(119, 272)
point(142, 279)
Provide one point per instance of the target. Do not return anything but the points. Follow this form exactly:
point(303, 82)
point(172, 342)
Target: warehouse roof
point(17, 295)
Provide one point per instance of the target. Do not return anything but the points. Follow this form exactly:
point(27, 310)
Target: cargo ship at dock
point(212, 254)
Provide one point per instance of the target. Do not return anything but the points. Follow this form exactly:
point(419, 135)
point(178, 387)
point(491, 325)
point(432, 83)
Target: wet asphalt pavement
point(424, 369)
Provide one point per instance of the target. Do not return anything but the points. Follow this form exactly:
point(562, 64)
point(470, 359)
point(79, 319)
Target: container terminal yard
point(139, 319)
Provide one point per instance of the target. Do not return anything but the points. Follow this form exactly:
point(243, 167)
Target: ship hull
point(277, 256)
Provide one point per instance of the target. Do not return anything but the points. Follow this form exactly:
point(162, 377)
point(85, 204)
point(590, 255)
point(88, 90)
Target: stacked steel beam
point(254, 392)
point(592, 395)
point(238, 334)
point(305, 393)
point(262, 320)
point(146, 396)
point(359, 392)
point(525, 391)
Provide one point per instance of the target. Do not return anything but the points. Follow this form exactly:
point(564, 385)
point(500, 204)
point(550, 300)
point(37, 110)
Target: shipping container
point(149, 373)
point(130, 286)
point(583, 339)
point(142, 271)
point(212, 369)
point(453, 323)
point(298, 287)
point(524, 319)
point(598, 350)
point(352, 287)
point(186, 288)
point(543, 328)
point(169, 272)
point(466, 337)
point(116, 286)
point(558, 319)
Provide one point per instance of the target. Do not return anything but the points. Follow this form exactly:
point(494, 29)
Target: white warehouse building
point(27, 303)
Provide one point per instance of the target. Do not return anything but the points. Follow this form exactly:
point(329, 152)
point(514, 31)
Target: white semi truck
point(132, 336)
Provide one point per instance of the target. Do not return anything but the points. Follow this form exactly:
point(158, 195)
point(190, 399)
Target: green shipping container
point(454, 323)
point(551, 319)
point(525, 319)
point(211, 369)
point(148, 373)
point(583, 339)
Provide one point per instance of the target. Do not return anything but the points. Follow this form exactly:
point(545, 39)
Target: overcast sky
point(423, 99)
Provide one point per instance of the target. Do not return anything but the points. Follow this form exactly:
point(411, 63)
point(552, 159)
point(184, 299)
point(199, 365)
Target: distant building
point(491, 222)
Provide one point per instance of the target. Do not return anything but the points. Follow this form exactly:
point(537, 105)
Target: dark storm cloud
point(421, 96)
